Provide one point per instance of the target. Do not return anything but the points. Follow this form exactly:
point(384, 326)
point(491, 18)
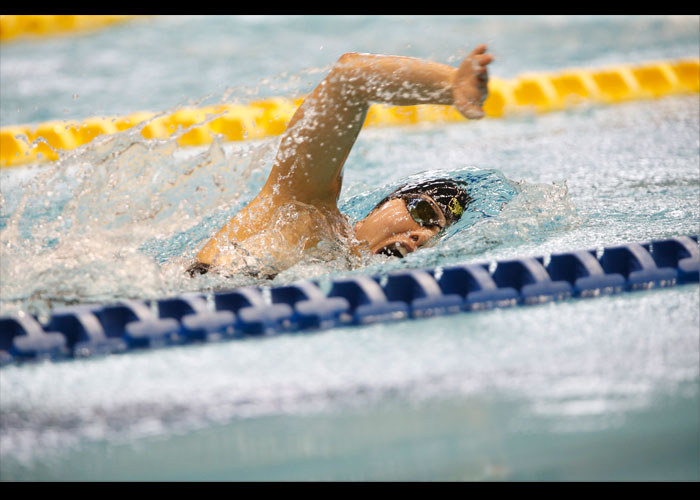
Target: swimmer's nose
point(421, 236)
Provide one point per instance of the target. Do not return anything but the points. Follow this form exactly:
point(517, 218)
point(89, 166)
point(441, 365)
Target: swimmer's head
point(412, 215)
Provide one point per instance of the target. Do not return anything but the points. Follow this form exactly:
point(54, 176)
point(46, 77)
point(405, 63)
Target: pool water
point(601, 389)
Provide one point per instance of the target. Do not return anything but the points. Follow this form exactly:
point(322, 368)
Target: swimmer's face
point(392, 229)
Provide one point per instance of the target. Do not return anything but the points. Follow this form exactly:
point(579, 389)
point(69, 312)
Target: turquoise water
point(603, 389)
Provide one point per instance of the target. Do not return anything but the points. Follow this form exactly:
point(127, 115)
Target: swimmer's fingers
point(479, 59)
point(483, 60)
point(480, 56)
point(479, 49)
point(470, 87)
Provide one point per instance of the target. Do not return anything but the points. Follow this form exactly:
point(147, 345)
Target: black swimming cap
point(451, 196)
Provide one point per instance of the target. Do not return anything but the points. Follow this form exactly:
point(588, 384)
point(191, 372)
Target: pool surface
point(588, 390)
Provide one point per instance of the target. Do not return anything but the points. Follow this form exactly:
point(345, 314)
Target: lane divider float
point(26, 26)
point(86, 330)
point(531, 92)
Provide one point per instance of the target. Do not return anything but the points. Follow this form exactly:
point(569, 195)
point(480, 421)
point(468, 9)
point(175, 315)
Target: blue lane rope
point(81, 331)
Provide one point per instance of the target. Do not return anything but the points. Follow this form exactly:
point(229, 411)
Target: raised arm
point(308, 165)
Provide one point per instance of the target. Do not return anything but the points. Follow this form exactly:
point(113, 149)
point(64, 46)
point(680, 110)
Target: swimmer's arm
point(320, 135)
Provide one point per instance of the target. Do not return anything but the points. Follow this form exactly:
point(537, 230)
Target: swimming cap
point(451, 196)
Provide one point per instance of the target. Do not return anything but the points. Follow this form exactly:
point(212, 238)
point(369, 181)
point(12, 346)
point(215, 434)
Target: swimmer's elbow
point(348, 57)
point(349, 61)
point(350, 72)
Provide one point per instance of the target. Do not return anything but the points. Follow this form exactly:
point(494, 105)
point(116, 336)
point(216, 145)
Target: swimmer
point(297, 206)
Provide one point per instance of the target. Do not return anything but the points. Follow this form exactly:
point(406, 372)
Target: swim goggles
point(422, 211)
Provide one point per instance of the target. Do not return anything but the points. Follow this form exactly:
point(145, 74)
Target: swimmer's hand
point(469, 88)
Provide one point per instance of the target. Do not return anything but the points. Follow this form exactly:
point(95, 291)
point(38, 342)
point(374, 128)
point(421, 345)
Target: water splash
point(503, 213)
point(115, 218)
point(535, 212)
point(123, 216)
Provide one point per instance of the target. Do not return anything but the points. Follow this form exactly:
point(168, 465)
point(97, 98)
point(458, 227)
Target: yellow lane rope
point(34, 26)
point(531, 92)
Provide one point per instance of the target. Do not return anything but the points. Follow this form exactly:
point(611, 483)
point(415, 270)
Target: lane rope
point(13, 27)
point(527, 93)
point(87, 330)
